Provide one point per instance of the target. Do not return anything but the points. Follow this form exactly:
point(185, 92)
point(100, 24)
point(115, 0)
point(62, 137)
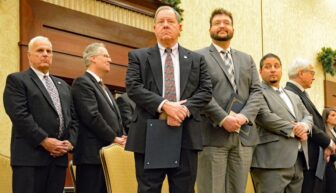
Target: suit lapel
point(42, 88)
point(293, 102)
point(274, 95)
point(216, 56)
point(185, 67)
point(61, 93)
point(96, 84)
point(307, 102)
point(114, 107)
point(154, 60)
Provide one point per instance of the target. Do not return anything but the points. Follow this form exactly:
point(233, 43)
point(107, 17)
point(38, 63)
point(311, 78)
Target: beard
point(273, 81)
point(220, 38)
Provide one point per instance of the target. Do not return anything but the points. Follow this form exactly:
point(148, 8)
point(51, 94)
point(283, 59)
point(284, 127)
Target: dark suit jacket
point(126, 107)
point(144, 86)
point(318, 137)
point(99, 121)
point(248, 88)
point(34, 118)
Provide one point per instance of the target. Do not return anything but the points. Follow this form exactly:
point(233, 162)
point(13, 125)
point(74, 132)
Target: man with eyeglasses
point(99, 119)
point(225, 160)
point(301, 76)
point(44, 125)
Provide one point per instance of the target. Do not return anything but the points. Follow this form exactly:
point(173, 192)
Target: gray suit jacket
point(277, 149)
point(248, 88)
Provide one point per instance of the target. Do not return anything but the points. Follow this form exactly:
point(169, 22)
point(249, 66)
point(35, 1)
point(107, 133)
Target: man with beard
point(283, 124)
point(225, 161)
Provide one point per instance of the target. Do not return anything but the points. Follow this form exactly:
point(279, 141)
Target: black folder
point(163, 145)
point(235, 105)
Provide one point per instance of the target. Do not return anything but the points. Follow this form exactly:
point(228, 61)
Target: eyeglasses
point(312, 72)
point(104, 55)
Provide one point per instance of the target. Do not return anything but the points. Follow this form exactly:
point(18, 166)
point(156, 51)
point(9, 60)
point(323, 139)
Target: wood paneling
point(330, 93)
point(146, 7)
point(71, 31)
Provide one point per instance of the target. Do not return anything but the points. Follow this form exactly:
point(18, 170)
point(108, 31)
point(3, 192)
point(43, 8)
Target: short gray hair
point(165, 7)
point(91, 50)
point(37, 39)
point(297, 65)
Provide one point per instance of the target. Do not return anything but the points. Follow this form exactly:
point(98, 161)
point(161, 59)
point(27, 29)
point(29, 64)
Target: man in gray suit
point(284, 124)
point(226, 158)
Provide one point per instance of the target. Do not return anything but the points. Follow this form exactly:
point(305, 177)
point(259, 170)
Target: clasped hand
point(300, 131)
point(56, 147)
point(176, 112)
point(233, 122)
point(121, 140)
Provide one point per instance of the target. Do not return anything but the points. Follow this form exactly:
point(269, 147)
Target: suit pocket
point(268, 139)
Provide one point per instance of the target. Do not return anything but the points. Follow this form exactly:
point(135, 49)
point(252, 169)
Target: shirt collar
point(297, 84)
point(219, 49)
point(280, 89)
point(174, 49)
point(95, 76)
point(39, 74)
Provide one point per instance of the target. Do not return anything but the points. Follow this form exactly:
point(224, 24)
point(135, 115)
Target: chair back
point(73, 173)
point(119, 170)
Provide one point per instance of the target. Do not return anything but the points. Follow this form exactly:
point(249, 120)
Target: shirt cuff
point(186, 109)
point(159, 109)
point(306, 126)
point(222, 122)
point(331, 144)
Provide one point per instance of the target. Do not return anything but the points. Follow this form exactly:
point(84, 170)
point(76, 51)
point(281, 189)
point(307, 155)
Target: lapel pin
point(58, 82)
point(185, 57)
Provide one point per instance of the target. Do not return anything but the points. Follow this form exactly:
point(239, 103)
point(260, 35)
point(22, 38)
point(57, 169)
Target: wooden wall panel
point(71, 31)
point(330, 93)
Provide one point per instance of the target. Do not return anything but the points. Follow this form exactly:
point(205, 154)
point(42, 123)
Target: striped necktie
point(229, 65)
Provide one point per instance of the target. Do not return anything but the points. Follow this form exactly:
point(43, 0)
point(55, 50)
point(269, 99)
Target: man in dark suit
point(44, 124)
point(99, 120)
point(225, 160)
point(171, 82)
point(126, 107)
point(301, 74)
point(284, 124)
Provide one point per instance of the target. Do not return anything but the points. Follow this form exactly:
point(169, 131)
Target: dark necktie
point(53, 93)
point(305, 94)
point(229, 65)
point(170, 90)
point(109, 96)
point(106, 92)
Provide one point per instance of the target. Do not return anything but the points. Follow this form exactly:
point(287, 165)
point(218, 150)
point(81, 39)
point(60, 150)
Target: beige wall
point(247, 24)
point(295, 28)
point(9, 57)
point(288, 28)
